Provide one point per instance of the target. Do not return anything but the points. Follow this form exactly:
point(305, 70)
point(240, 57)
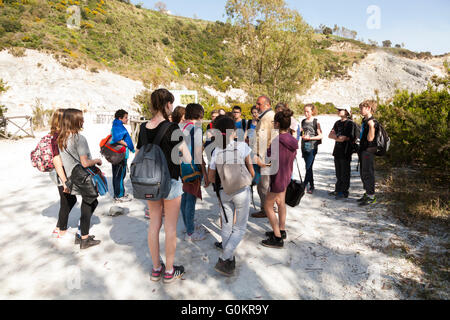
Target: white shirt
point(242, 148)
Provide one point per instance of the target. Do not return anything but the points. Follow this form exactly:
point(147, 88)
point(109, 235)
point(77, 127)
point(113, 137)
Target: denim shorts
point(176, 189)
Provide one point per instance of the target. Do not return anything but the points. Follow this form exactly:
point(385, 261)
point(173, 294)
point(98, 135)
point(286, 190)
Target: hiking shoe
point(260, 214)
point(225, 267)
point(78, 238)
point(363, 198)
point(89, 242)
point(218, 245)
point(147, 214)
point(177, 273)
point(339, 196)
point(333, 193)
point(273, 242)
point(368, 201)
point(157, 275)
point(283, 234)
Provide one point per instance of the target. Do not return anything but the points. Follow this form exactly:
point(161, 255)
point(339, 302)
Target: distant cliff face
point(380, 72)
point(39, 77)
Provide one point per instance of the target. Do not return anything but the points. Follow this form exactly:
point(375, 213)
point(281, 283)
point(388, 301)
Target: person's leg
point(171, 211)
point(116, 180)
point(263, 189)
point(337, 167)
point(67, 202)
point(282, 210)
point(189, 212)
point(227, 224)
point(309, 160)
point(346, 171)
point(270, 200)
point(367, 172)
point(241, 202)
point(155, 210)
point(87, 209)
point(183, 209)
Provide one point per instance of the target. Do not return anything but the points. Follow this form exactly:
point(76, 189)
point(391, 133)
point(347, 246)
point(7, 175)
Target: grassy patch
point(420, 199)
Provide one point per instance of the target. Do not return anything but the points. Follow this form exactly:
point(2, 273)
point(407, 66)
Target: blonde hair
point(72, 123)
point(55, 126)
point(372, 104)
point(313, 108)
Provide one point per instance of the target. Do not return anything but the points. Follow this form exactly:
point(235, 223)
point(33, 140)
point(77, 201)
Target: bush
point(10, 25)
point(419, 127)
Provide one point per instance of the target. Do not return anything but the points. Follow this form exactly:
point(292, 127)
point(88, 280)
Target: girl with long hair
point(74, 149)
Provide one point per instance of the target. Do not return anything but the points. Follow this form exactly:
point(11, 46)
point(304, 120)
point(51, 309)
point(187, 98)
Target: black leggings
point(86, 213)
point(67, 202)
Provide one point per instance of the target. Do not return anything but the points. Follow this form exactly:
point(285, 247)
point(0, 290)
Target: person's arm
point(211, 175)
point(371, 134)
point(86, 163)
point(332, 135)
point(249, 165)
point(319, 133)
point(57, 162)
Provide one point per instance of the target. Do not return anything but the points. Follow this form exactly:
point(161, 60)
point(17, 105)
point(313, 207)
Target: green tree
point(271, 47)
point(387, 43)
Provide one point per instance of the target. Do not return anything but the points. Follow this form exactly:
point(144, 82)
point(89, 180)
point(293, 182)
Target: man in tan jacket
point(263, 138)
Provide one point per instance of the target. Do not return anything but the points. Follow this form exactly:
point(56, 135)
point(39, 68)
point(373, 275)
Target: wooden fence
point(20, 126)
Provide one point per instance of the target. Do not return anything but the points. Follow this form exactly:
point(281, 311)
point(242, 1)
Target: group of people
point(240, 152)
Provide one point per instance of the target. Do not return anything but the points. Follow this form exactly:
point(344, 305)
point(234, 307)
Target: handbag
point(295, 190)
point(89, 182)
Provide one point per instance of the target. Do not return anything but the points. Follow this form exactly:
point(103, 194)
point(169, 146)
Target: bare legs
point(280, 222)
point(171, 210)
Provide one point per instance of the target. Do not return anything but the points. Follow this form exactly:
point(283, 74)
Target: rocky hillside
point(381, 74)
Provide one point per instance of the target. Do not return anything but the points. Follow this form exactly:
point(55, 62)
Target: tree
point(327, 31)
point(161, 7)
point(271, 47)
point(387, 43)
point(398, 46)
point(373, 43)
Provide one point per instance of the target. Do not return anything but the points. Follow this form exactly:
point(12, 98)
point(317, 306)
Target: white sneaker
point(125, 198)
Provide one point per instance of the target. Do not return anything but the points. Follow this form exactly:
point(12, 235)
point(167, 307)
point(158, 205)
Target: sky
point(421, 25)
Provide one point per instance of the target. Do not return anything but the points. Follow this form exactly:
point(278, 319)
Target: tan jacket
point(264, 134)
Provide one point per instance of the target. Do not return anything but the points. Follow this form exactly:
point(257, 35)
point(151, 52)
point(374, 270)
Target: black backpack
point(383, 141)
point(356, 133)
point(149, 172)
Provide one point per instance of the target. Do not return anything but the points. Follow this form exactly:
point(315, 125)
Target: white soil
point(334, 250)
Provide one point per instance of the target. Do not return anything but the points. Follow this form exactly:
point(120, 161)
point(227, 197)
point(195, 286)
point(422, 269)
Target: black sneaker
point(225, 267)
point(363, 198)
point(283, 234)
point(177, 273)
point(273, 242)
point(78, 238)
point(368, 201)
point(218, 245)
point(89, 242)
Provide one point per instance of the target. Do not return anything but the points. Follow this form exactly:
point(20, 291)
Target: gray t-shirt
point(77, 146)
point(308, 129)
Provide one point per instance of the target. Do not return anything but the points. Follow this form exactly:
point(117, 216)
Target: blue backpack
point(190, 172)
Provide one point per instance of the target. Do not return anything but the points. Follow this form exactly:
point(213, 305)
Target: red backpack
point(42, 155)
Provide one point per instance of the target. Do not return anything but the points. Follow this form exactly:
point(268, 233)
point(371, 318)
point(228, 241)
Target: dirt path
point(335, 249)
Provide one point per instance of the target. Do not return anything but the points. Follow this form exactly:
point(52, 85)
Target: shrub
point(10, 25)
point(419, 127)
point(165, 41)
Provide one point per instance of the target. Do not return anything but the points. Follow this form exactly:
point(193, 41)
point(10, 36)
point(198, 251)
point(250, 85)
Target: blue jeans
point(188, 211)
point(309, 157)
point(119, 171)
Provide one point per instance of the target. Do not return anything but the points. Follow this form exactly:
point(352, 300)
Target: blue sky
point(421, 25)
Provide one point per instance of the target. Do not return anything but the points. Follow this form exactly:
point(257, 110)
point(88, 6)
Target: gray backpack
point(149, 172)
